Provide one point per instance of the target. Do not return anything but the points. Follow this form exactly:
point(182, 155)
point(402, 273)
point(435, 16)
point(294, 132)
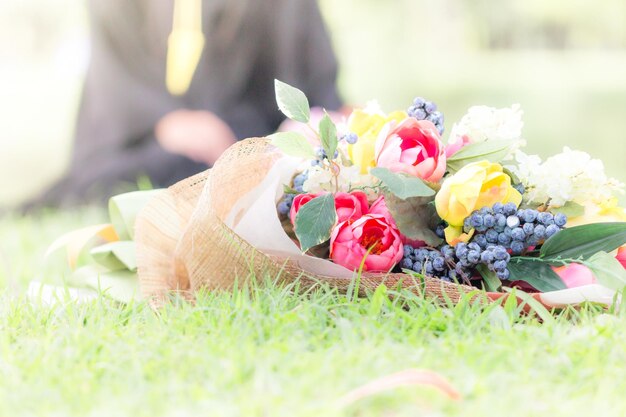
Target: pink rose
point(413, 147)
point(350, 242)
point(299, 201)
point(350, 206)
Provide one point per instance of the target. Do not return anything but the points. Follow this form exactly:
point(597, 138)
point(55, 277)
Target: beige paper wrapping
point(184, 244)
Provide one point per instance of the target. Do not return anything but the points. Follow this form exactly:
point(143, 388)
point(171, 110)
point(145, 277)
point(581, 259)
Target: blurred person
point(130, 125)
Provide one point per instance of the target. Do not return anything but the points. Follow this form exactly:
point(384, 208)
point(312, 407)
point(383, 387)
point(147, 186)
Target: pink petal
point(621, 256)
point(575, 275)
point(410, 156)
point(390, 152)
point(424, 170)
point(378, 263)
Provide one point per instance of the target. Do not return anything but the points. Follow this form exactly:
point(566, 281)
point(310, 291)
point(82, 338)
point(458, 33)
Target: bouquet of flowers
point(382, 193)
point(380, 199)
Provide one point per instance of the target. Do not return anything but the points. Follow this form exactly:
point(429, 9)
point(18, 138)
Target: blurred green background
point(564, 61)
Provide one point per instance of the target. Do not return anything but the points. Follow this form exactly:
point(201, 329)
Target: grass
point(273, 351)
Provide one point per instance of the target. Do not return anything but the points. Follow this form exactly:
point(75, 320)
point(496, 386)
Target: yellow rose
point(476, 185)
point(367, 126)
point(607, 211)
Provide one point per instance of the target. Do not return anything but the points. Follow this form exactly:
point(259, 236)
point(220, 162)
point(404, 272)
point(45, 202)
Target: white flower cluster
point(568, 176)
point(320, 179)
point(482, 123)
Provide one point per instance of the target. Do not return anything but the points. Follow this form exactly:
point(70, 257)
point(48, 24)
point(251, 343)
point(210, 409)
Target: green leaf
point(537, 273)
point(608, 270)
point(124, 208)
point(403, 186)
point(491, 280)
point(292, 102)
point(328, 135)
point(581, 242)
point(416, 217)
point(570, 209)
point(293, 144)
point(490, 150)
point(514, 178)
point(315, 220)
point(288, 190)
point(116, 255)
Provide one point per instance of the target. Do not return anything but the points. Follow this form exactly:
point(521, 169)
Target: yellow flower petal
point(455, 235)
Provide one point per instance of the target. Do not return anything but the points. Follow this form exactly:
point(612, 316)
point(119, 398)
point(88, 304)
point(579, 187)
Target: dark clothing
point(248, 44)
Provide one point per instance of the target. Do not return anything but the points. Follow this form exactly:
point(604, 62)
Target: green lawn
point(274, 352)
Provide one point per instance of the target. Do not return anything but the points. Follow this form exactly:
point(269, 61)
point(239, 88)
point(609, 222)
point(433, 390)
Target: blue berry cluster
point(496, 258)
point(426, 110)
point(428, 261)
point(456, 263)
point(500, 231)
point(284, 205)
point(506, 226)
point(470, 255)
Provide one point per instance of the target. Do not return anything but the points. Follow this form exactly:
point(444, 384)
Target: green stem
point(563, 261)
point(315, 132)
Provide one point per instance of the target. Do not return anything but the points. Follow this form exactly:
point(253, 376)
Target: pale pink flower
point(413, 147)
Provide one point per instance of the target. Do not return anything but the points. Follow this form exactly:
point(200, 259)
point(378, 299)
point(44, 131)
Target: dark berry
point(509, 209)
point(492, 236)
point(486, 257)
point(481, 240)
point(473, 256)
point(540, 232)
point(530, 216)
point(429, 106)
point(503, 274)
point(498, 208)
point(351, 138)
point(551, 230)
point(517, 247)
point(284, 208)
point(500, 265)
point(439, 264)
point(504, 239)
point(545, 218)
point(407, 263)
point(518, 234)
point(489, 220)
point(461, 250)
point(528, 228)
point(560, 219)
